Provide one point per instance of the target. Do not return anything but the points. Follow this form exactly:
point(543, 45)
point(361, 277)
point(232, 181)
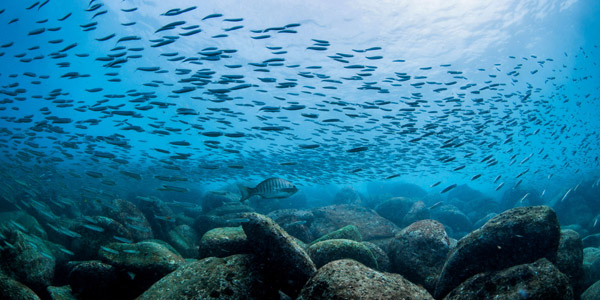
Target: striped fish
point(272, 188)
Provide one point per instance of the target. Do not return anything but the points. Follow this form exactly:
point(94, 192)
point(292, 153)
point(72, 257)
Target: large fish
point(272, 188)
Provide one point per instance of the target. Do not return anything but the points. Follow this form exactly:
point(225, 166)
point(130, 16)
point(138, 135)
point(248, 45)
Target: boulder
point(349, 279)
point(224, 241)
point(100, 233)
point(61, 293)
point(184, 239)
point(348, 232)
point(452, 217)
point(592, 240)
point(296, 222)
point(287, 265)
point(145, 262)
point(326, 251)
point(28, 260)
point(14, 290)
point(592, 293)
point(204, 223)
point(233, 277)
point(517, 236)
point(347, 195)
point(591, 266)
point(395, 209)
point(419, 251)
point(538, 280)
point(96, 280)
point(569, 259)
point(371, 225)
point(131, 217)
point(484, 220)
point(418, 211)
point(383, 260)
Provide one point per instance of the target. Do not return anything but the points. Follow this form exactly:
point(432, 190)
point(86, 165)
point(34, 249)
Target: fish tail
point(246, 192)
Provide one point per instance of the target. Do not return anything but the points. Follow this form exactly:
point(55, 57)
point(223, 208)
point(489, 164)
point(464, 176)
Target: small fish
point(272, 188)
point(436, 205)
point(447, 189)
point(109, 250)
point(565, 196)
point(435, 184)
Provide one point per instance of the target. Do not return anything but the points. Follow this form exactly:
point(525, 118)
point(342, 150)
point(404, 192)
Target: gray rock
point(224, 241)
point(538, 280)
point(591, 266)
point(14, 290)
point(347, 195)
point(517, 236)
point(417, 212)
point(484, 220)
point(383, 260)
point(29, 261)
point(24, 220)
point(96, 280)
point(86, 247)
point(592, 240)
point(61, 293)
point(184, 239)
point(348, 232)
point(131, 217)
point(592, 293)
point(296, 222)
point(233, 277)
point(370, 225)
point(287, 265)
point(326, 251)
point(452, 217)
point(145, 262)
point(349, 279)
point(569, 259)
point(419, 251)
point(395, 209)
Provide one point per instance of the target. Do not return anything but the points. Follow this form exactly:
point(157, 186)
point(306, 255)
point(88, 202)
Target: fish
point(272, 188)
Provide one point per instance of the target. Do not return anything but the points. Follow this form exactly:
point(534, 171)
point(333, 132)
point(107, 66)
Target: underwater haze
point(156, 114)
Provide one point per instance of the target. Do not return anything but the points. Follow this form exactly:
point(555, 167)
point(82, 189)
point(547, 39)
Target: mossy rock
point(329, 250)
point(348, 232)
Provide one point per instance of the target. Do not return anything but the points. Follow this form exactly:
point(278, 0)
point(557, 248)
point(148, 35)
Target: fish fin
point(246, 192)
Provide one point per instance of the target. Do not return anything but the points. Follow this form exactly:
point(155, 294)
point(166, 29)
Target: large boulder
point(326, 251)
point(96, 280)
point(348, 232)
point(286, 263)
point(347, 195)
point(184, 239)
point(395, 209)
point(14, 290)
point(223, 242)
point(296, 222)
point(453, 217)
point(569, 259)
point(371, 225)
point(28, 260)
point(538, 280)
point(592, 293)
point(383, 260)
point(591, 266)
point(146, 262)
point(418, 252)
point(94, 235)
point(61, 293)
point(213, 278)
point(517, 236)
point(131, 217)
point(349, 279)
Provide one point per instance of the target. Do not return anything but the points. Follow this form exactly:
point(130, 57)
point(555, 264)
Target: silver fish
point(272, 188)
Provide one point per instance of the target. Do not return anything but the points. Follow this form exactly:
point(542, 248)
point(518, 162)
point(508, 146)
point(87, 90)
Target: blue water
point(430, 89)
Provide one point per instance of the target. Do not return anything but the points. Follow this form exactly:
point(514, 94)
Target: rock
point(592, 293)
point(61, 293)
point(233, 277)
point(517, 236)
point(419, 251)
point(296, 222)
point(383, 261)
point(224, 241)
point(452, 217)
point(591, 266)
point(19, 218)
point(287, 265)
point(183, 238)
point(592, 240)
point(326, 251)
point(86, 247)
point(395, 209)
point(347, 195)
point(211, 201)
point(146, 262)
point(474, 203)
point(484, 220)
point(569, 259)
point(97, 280)
point(28, 261)
point(349, 279)
point(14, 290)
point(418, 211)
point(538, 280)
point(348, 232)
point(369, 223)
point(131, 217)
point(204, 223)
point(156, 211)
